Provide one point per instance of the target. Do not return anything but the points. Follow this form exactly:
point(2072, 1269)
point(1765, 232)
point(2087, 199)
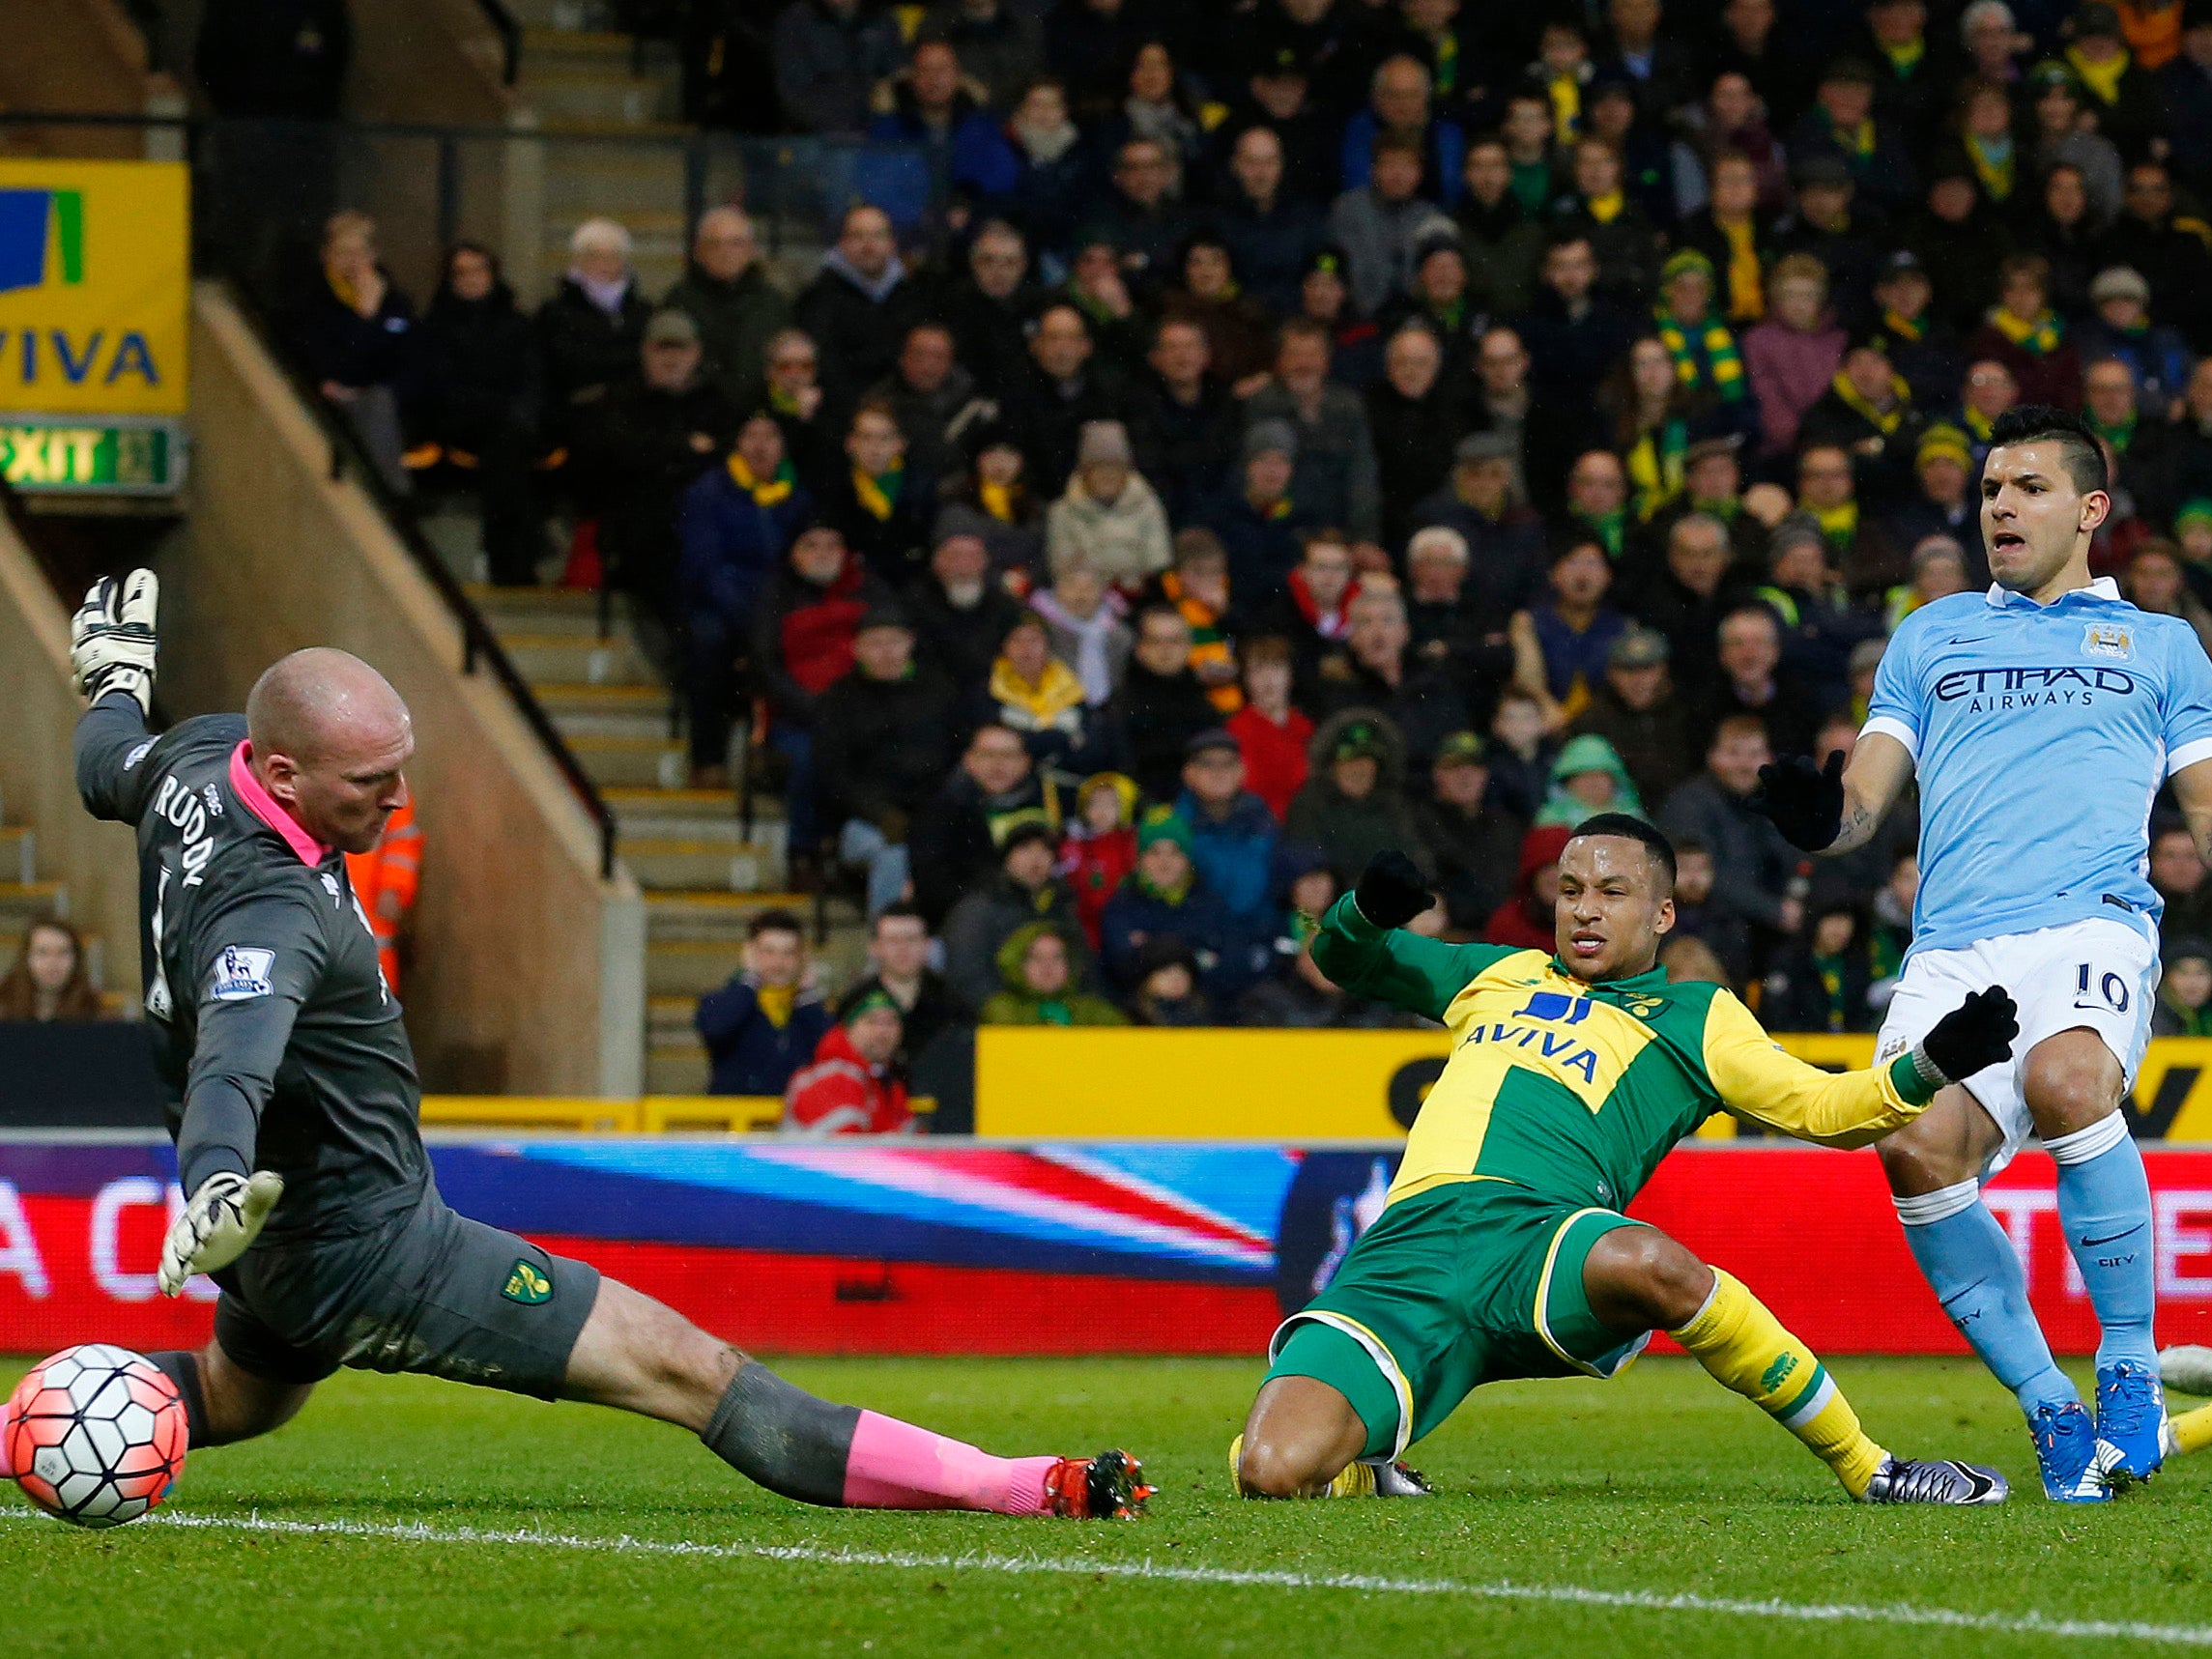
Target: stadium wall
point(1051, 1247)
point(1165, 1084)
point(527, 972)
point(86, 57)
point(39, 705)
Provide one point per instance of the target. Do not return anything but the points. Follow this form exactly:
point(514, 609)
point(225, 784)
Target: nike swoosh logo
point(2091, 1244)
point(1976, 640)
point(1981, 1483)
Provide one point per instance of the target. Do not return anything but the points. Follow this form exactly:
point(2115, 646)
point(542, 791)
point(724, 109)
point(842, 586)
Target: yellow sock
point(2192, 1430)
point(1747, 1348)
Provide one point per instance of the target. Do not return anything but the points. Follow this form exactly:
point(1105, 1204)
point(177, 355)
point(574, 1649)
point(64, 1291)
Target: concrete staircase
point(588, 83)
point(704, 878)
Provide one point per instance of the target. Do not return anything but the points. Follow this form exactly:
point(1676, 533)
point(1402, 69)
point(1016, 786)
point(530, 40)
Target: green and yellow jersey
point(1575, 1090)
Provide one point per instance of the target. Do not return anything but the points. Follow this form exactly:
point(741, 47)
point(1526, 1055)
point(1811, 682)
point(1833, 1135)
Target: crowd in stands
point(1302, 427)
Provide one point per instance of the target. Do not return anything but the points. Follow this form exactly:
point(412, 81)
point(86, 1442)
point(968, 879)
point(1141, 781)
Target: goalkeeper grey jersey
point(284, 1042)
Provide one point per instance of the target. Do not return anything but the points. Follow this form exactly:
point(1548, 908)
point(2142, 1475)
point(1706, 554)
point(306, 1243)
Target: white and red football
point(95, 1436)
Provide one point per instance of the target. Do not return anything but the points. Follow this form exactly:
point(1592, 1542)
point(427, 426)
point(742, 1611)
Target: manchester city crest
point(2108, 640)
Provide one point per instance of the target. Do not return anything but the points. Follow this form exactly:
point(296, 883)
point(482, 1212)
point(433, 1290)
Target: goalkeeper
point(1501, 1251)
point(312, 1199)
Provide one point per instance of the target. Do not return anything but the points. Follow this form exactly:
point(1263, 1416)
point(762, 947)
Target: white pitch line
point(1572, 1595)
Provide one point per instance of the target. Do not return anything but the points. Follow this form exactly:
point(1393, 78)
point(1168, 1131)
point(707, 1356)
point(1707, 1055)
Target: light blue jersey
point(2041, 733)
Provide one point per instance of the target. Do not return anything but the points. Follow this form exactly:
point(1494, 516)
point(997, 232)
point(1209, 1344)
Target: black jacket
point(961, 644)
point(586, 348)
point(1153, 716)
point(882, 746)
point(857, 338)
point(954, 845)
point(480, 367)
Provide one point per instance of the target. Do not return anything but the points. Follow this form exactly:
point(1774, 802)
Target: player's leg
point(1634, 1279)
point(224, 1402)
point(2075, 1085)
point(1301, 1433)
point(639, 1356)
point(247, 1381)
point(1935, 1166)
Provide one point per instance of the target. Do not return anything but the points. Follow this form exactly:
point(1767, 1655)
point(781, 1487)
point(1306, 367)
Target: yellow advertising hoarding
point(1160, 1084)
point(95, 285)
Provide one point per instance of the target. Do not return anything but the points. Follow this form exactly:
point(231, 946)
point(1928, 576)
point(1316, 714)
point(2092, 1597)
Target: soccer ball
point(95, 1436)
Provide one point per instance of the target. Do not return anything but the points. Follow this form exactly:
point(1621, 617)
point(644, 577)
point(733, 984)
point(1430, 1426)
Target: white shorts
point(2102, 974)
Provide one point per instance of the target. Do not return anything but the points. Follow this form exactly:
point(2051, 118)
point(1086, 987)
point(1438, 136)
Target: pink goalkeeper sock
point(896, 1465)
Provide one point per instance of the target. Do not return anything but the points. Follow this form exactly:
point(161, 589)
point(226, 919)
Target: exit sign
point(91, 456)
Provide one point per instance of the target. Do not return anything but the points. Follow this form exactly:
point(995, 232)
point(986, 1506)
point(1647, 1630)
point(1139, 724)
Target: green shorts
point(1478, 1281)
point(423, 1290)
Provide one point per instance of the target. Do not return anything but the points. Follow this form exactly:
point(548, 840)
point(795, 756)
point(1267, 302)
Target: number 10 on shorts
point(2112, 991)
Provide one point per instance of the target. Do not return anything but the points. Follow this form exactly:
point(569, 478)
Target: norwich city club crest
point(528, 1286)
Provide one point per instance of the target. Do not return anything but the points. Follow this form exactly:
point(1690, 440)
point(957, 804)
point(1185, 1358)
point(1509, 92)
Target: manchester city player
point(2041, 718)
point(311, 1198)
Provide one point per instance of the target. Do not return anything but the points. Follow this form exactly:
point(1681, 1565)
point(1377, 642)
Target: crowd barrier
point(967, 1246)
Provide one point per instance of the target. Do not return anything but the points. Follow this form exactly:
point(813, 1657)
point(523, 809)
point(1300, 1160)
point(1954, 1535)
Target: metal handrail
point(480, 644)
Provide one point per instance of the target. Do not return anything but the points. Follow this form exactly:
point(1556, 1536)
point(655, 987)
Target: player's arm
point(1364, 947)
point(112, 649)
point(2186, 730)
point(1835, 808)
point(1755, 1079)
point(255, 963)
point(2193, 791)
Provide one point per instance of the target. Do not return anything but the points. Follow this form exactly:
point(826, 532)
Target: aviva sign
point(95, 285)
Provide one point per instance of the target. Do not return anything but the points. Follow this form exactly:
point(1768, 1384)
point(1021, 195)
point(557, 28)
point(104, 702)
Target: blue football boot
point(2066, 1452)
point(2131, 1423)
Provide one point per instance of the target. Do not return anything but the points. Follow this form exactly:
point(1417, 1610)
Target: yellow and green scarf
point(764, 493)
point(1884, 423)
point(1840, 525)
point(997, 500)
point(1906, 57)
point(1994, 169)
point(2118, 435)
point(1611, 530)
point(1978, 423)
point(1655, 464)
point(879, 496)
point(2039, 336)
point(1056, 690)
point(2102, 79)
point(1902, 327)
point(1746, 281)
point(1710, 359)
point(1566, 107)
point(1605, 208)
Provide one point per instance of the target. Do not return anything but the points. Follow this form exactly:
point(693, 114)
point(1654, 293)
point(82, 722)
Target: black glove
point(1974, 1035)
point(1805, 801)
point(1391, 891)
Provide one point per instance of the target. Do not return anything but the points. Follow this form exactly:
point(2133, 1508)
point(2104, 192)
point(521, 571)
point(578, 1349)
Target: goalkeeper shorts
point(426, 1290)
point(1473, 1282)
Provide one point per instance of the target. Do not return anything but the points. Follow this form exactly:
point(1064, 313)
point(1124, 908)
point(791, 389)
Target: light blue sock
point(2104, 1203)
point(1969, 1262)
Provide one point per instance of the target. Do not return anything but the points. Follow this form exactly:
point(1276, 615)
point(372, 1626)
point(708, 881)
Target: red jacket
point(1093, 865)
point(842, 1094)
point(1275, 755)
point(1518, 922)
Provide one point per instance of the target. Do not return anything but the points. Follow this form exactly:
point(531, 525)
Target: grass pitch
point(1651, 1515)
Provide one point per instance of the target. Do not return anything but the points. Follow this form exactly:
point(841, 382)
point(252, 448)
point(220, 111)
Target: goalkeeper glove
point(1806, 802)
point(111, 638)
point(1391, 891)
point(1973, 1037)
point(223, 1218)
